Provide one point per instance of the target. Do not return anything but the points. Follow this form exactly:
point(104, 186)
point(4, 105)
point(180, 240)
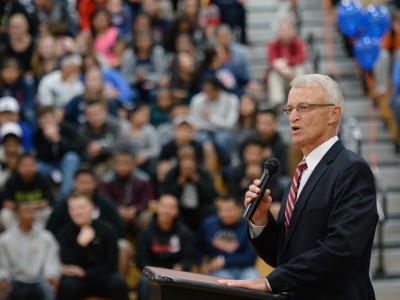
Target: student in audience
point(267, 128)
point(56, 12)
point(10, 112)
point(89, 254)
point(57, 149)
point(213, 65)
point(254, 152)
point(161, 107)
point(181, 81)
point(183, 135)
point(286, 58)
point(214, 113)
point(95, 90)
point(143, 65)
point(166, 242)
point(129, 189)
point(192, 185)
point(105, 36)
point(29, 259)
point(221, 243)
point(233, 13)
point(121, 16)
point(99, 134)
point(59, 87)
point(235, 55)
point(143, 138)
point(10, 150)
point(44, 58)
point(85, 181)
point(14, 84)
point(18, 43)
point(27, 184)
point(246, 125)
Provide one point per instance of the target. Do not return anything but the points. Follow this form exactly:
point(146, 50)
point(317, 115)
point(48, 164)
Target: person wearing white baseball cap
point(10, 149)
point(9, 104)
point(10, 112)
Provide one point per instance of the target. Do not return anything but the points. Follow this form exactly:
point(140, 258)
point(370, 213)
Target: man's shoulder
point(47, 236)
point(50, 78)
point(211, 222)
point(104, 227)
point(6, 235)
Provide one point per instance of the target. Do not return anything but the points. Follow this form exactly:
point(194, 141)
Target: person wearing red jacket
point(286, 59)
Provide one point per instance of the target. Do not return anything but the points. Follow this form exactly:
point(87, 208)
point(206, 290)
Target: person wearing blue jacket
point(221, 243)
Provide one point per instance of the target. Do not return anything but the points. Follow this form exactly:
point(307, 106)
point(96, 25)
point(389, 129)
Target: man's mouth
point(295, 128)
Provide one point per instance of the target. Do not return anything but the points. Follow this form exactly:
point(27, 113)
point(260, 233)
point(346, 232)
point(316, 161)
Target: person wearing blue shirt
point(221, 243)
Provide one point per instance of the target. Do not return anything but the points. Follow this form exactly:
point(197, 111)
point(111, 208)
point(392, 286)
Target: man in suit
point(320, 244)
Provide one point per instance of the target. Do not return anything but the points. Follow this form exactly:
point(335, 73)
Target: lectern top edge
point(167, 277)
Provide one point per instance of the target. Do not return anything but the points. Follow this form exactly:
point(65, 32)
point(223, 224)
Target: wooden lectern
point(168, 284)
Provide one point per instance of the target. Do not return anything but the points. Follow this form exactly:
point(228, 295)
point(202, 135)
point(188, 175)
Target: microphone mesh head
point(272, 165)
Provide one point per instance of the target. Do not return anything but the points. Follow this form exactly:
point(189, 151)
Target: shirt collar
point(316, 155)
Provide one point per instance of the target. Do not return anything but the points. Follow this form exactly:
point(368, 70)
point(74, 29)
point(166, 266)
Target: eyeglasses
point(303, 108)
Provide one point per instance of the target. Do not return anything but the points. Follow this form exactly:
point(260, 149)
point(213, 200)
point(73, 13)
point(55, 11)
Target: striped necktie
point(291, 201)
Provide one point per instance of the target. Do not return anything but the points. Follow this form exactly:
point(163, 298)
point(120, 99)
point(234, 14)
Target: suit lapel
point(312, 181)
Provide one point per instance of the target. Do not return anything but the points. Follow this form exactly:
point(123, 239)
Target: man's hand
point(73, 271)
point(250, 284)
point(228, 246)
point(177, 267)
point(52, 133)
point(214, 264)
point(54, 282)
point(86, 235)
point(94, 149)
point(260, 217)
point(5, 288)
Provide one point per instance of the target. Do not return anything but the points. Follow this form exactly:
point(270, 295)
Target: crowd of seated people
point(127, 128)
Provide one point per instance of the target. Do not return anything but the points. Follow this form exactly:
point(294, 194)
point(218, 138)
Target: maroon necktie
point(293, 192)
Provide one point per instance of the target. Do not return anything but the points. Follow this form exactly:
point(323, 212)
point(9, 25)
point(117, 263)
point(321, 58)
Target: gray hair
point(331, 88)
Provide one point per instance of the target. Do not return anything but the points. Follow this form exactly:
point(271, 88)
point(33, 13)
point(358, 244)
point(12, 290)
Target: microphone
point(271, 166)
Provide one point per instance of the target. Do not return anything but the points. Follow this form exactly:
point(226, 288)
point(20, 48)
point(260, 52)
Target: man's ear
point(335, 114)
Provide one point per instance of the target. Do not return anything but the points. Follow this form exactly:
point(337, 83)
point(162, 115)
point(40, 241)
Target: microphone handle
point(252, 207)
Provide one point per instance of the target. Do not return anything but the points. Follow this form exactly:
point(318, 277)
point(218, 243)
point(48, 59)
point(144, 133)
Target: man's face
point(95, 115)
point(26, 213)
point(167, 208)
point(46, 120)
point(266, 125)
point(309, 129)
point(12, 146)
point(183, 134)
point(80, 210)
point(85, 183)
point(253, 154)
point(286, 32)
point(123, 165)
point(27, 168)
point(210, 91)
point(10, 74)
point(229, 212)
point(8, 116)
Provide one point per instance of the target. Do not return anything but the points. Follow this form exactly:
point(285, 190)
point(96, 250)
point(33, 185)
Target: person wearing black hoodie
point(166, 242)
point(89, 254)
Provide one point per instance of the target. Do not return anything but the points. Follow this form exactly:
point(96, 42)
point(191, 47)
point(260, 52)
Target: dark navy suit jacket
point(325, 254)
